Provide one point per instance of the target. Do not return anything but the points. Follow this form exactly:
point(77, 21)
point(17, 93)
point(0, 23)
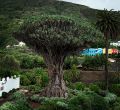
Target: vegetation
point(55, 32)
point(93, 62)
point(9, 66)
point(12, 12)
point(48, 34)
point(108, 23)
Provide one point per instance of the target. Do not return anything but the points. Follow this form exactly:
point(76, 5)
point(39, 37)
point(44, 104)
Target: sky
point(99, 4)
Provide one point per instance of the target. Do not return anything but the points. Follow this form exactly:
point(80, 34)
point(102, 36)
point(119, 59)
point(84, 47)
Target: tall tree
point(108, 23)
point(55, 37)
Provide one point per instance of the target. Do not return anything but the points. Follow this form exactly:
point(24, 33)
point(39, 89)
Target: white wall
point(9, 84)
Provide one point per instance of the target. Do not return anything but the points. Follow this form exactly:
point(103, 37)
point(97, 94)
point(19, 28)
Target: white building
point(116, 44)
point(8, 84)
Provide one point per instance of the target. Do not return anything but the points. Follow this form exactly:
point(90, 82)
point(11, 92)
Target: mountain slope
point(12, 7)
point(13, 10)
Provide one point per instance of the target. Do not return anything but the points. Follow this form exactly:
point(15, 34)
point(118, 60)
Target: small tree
point(108, 23)
point(55, 37)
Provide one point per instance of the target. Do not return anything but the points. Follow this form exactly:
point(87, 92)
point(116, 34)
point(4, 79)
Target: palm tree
point(108, 23)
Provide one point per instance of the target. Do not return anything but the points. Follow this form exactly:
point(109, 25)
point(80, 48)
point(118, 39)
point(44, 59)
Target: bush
point(93, 63)
point(95, 88)
point(9, 66)
point(41, 73)
point(54, 104)
point(34, 88)
point(24, 80)
point(70, 61)
point(80, 102)
point(30, 62)
point(13, 90)
point(87, 100)
point(26, 62)
point(22, 104)
point(38, 62)
point(115, 88)
point(20, 101)
point(17, 95)
point(37, 98)
point(116, 105)
point(8, 106)
point(110, 98)
point(97, 102)
point(101, 85)
point(37, 76)
point(72, 75)
point(4, 94)
point(78, 86)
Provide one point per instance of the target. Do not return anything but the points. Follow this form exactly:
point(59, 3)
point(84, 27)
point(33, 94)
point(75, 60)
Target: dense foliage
point(9, 66)
point(93, 62)
point(32, 67)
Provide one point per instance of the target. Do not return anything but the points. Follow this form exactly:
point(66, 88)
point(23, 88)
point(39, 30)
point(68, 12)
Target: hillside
point(12, 11)
point(14, 8)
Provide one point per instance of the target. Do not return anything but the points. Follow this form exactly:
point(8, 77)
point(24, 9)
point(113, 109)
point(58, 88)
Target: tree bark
point(56, 86)
point(106, 63)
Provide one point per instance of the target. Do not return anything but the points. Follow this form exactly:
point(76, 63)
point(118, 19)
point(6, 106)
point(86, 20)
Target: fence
point(8, 84)
point(115, 67)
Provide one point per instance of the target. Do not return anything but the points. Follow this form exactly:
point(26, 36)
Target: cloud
point(99, 4)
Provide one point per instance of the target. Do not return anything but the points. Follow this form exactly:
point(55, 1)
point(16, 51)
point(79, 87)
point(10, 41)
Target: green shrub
point(70, 61)
point(8, 106)
point(9, 66)
point(17, 95)
point(26, 62)
point(13, 90)
point(34, 88)
point(31, 77)
point(97, 102)
point(87, 100)
point(38, 62)
point(20, 101)
point(115, 88)
point(22, 104)
point(72, 75)
point(54, 104)
point(37, 76)
point(95, 88)
point(37, 98)
point(116, 105)
point(41, 73)
point(110, 98)
point(4, 94)
point(78, 86)
point(30, 62)
point(101, 85)
point(80, 102)
point(91, 62)
point(24, 80)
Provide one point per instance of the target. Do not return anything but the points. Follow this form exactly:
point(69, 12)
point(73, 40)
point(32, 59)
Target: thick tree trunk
point(56, 86)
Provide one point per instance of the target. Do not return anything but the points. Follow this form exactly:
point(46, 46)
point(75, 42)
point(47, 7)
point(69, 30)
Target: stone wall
point(91, 76)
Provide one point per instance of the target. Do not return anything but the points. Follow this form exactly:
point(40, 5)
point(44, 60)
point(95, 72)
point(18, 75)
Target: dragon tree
point(55, 37)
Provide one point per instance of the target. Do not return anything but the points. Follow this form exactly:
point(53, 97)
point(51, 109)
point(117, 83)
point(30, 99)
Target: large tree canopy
point(55, 37)
point(58, 32)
